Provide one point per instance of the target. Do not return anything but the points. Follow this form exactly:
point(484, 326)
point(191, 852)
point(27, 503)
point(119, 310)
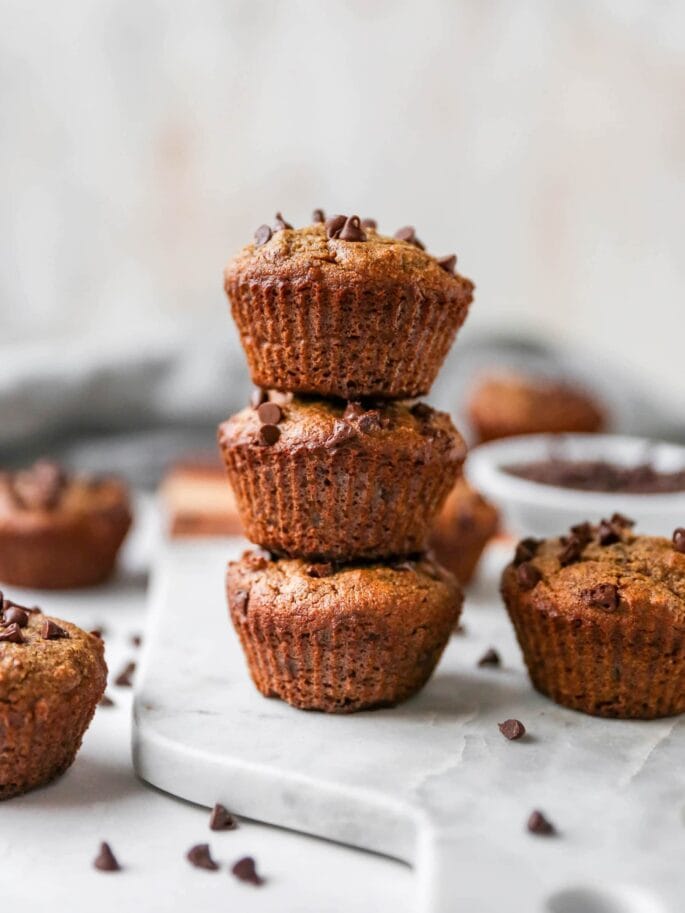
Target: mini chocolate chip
point(583, 532)
point(527, 575)
point(257, 397)
point(201, 858)
point(448, 263)
point(538, 824)
point(318, 216)
point(241, 599)
point(421, 410)
point(343, 433)
point(603, 596)
point(490, 658)
point(96, 632)
point(136, 640)
point(106, 861)
point(679, 539)
point(622, 520)
point(571, 552)
point(221, 819)
point(352, 230)
point(106, 701)
point(525, 550)
point(322, 569)
point(15, 614)
point(608, 533)
point(12, 634)
point(269, 434)
point(369, 223)
point(125, 678)
point(408, 234)
point(245, 870)
point(370, 421)
point(52, 631)
point(262, 235)
point(512, 729)
point(269, 413)
point(334, 226)
point(279, 223)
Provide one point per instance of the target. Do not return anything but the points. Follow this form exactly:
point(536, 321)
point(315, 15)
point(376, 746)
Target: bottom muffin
point(52, 675)
point(341, 639)
point(464, 527)
point(600, 618)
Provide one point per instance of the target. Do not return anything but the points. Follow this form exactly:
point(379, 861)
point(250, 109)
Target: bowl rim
point(485, 464)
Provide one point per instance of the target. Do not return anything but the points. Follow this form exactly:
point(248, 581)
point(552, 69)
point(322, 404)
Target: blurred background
point(142, 143)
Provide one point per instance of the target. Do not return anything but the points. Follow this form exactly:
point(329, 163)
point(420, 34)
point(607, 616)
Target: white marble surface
point(433, 781)
point(49, 837)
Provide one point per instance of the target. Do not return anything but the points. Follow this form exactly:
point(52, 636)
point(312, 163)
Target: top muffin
point(337, 309)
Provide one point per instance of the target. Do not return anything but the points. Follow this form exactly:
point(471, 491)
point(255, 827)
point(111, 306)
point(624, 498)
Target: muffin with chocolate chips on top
point(341, 638)
point(52, 675)
point(59, 531)
point(325, 479)
point(337, 309)
point(600, 618)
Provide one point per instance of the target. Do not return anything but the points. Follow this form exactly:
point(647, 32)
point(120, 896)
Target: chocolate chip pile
point(598, 475)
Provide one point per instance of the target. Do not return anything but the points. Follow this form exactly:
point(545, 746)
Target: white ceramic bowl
point(533, 509)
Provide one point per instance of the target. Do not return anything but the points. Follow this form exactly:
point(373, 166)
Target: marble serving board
point(432, 782)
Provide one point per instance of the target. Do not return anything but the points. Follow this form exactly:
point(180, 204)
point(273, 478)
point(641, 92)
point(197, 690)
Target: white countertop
point(49, 837)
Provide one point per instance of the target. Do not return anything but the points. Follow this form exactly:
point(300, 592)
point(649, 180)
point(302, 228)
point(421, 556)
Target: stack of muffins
point(338, 474)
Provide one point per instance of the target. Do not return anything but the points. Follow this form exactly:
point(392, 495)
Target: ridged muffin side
point(338, 481)
point(600, 618)
point(341, 639)
point(331, 317)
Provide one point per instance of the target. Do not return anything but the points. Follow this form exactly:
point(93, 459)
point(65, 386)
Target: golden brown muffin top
point(320, 249)
point(41, 656)
point(603, 571)
point(46, 493)
point(516, 404)
point(290, 422)
point(290, 585)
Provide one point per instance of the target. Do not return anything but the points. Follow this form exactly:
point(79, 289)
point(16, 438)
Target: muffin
point(58, 531)
point(52, 675)
point(339, 310)
point(341, 639)
point(322, 479)
point(464, 526)
point(600, 617)
point(510, 404)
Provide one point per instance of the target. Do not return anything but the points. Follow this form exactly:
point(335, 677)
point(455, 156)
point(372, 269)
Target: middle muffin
point(325, 479)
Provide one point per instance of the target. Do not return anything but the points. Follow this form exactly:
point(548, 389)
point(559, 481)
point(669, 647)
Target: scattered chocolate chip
point(318, 216)
point(12, 634)
point(583, 532)
point(262, 235)
point(421, 410)
point(106, 861)
point(527, 575)
point(623, 521)
point(257, 397)
point(679, 539)
point(136, 640)
point(245, 870)
point(408, 234)
point(526, 550)
point(96, 632)
point(352, 230)
point(369, 223)
point(221, 819)
point(106, 701)
point(269, 434)
point(201, 858)
point(448, 263)
point(512, 729)
point(15, 614)
point(334, 226)
point(322, 569)
point(608, 533)
point(370, 421)
point(269, 413)
point(51, 631)
point(343, 433)
point(279, 223)
point(571, 552)
point(490, 658)
point(538, 824)
point(125, 678)
point(604, 596)
point(241, 599)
